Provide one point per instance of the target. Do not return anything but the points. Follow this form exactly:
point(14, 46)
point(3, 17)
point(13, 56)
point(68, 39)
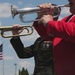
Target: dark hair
point(57, 12)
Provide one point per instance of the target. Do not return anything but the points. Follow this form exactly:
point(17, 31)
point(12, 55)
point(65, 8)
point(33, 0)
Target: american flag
point(1, 52)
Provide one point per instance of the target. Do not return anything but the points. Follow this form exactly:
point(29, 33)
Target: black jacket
point(41, 51)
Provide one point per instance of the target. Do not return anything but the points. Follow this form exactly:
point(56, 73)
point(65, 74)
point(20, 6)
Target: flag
point(1, 52)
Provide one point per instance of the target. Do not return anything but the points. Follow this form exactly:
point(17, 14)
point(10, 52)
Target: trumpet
point(24, 11)
point(28, 29)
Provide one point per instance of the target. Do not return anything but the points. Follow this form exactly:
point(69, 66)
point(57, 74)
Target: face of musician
point(72, 6)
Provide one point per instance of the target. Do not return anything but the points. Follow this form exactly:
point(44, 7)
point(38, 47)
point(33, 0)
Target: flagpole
point(15, 69)
point(3, 66)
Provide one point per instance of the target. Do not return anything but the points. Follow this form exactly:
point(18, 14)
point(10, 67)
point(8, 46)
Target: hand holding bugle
point(3, 29)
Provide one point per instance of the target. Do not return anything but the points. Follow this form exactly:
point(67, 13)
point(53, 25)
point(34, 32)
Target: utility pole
point(15, 68)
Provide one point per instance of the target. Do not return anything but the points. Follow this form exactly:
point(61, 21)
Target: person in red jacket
point(62, 33)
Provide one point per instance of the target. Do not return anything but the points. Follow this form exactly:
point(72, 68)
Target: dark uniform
point(41, 51)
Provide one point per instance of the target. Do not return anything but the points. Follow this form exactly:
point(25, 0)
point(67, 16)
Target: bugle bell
point(24, 11)
point(3, 29)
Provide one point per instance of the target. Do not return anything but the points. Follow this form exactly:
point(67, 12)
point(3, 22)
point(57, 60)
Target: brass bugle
point(3, 29)
point(24, 11)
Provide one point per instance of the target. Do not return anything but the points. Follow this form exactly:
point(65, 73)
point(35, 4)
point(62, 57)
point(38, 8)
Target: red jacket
point(63, 36)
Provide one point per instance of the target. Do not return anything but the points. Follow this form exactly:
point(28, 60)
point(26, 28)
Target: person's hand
point(45, 19)
point(45, 6)
point(44, 9)
point(16, 29)
point(46, 13)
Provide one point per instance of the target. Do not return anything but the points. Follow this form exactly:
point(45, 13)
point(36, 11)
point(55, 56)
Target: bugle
point(24, 11)
point(3, 29)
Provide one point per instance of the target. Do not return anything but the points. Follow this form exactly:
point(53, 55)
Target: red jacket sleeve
point(42, 31)
point(62, 29)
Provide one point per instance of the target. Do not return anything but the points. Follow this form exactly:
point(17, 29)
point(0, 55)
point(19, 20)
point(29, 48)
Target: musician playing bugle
point(63, 38)
point(41, 50)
